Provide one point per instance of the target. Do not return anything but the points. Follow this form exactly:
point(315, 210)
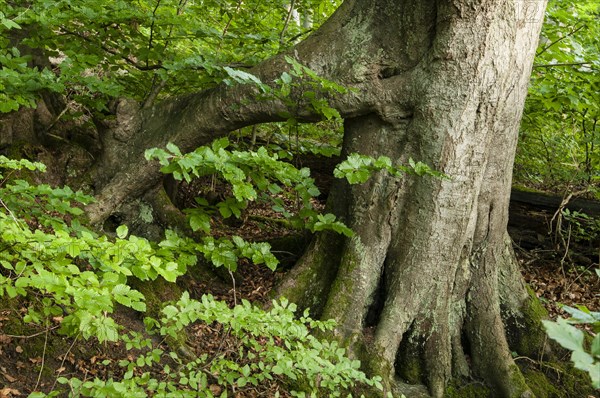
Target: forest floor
point(32, 360)
point(557, 265)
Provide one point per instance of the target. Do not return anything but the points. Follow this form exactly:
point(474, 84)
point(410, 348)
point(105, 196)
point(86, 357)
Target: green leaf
point(221, 143)
point(566, 335)
point(200, 221)
point(174, 149)
point(240, 76)
point(9, 24)
point(582, 360)
point(286, 78)
point(122, 231)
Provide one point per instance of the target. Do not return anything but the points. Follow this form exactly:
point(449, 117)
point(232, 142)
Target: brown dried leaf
point(9, 392)
point(215, 389)
point(8, 377)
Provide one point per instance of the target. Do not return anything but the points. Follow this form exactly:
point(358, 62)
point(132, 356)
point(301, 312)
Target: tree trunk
point(428, 288)
point(429, 282)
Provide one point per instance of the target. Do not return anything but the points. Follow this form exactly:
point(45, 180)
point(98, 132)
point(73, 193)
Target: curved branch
point(196, 119)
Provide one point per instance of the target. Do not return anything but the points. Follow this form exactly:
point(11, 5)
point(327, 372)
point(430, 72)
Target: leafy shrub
point(249, 174)
point(46, 253)
point(558, 145)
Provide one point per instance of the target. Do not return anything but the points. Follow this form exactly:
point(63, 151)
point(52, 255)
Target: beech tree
point(428, 287)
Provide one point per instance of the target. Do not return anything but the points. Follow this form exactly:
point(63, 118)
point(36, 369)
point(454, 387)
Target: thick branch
point(197, 119)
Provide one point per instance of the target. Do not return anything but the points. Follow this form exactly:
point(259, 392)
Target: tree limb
point(196, 119)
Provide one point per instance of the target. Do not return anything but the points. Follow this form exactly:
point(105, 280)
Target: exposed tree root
point(427, 347)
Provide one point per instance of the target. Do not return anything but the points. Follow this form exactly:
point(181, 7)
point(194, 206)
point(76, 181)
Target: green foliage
point(19, 83)
point(580, 226)
point(49, 257)
point(308, 88)
point(558, 148)
point(19, 164)
point(300, 88)
point(358, 168)
point(105, 49)
point(276, 343)
point(271, 345)
point(251, 175)
point(66, 268)
point(573, 339)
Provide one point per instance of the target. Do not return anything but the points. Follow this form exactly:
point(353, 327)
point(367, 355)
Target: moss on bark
point(558, 380)
point(525, 332)
point(459, 389)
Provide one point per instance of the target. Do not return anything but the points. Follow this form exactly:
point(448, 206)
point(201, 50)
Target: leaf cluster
point(252, 175)
point(142, 49)
point(573, 339)
point(357, 168)
point(69, 271)
point(273, 345)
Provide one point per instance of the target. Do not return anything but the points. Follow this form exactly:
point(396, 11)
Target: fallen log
point(551, 202)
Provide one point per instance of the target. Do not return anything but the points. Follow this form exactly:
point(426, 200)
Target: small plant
point(580, 225)
point(584, 357)
point(358, 168)
point(271, 345)
point(48, 254)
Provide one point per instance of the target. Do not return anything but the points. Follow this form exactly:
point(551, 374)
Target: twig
point(561, 64)
point(157, 88)
point(287, 22)
point(579, 275)
point(114, 52)
point(11, 214)
point(566, 244)
point(564, 204)
point(253, 140)
point(237, 9)
point(65, 357)
point(39, 378)
point(559, 39)
point(541, 364)
point(31, 335)
point(151, 37)
point(234, 291)
point(57, 118)
point(7, 177)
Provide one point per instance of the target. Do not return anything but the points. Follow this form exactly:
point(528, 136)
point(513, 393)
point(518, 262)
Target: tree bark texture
point(431, 258)
point(426, 288)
